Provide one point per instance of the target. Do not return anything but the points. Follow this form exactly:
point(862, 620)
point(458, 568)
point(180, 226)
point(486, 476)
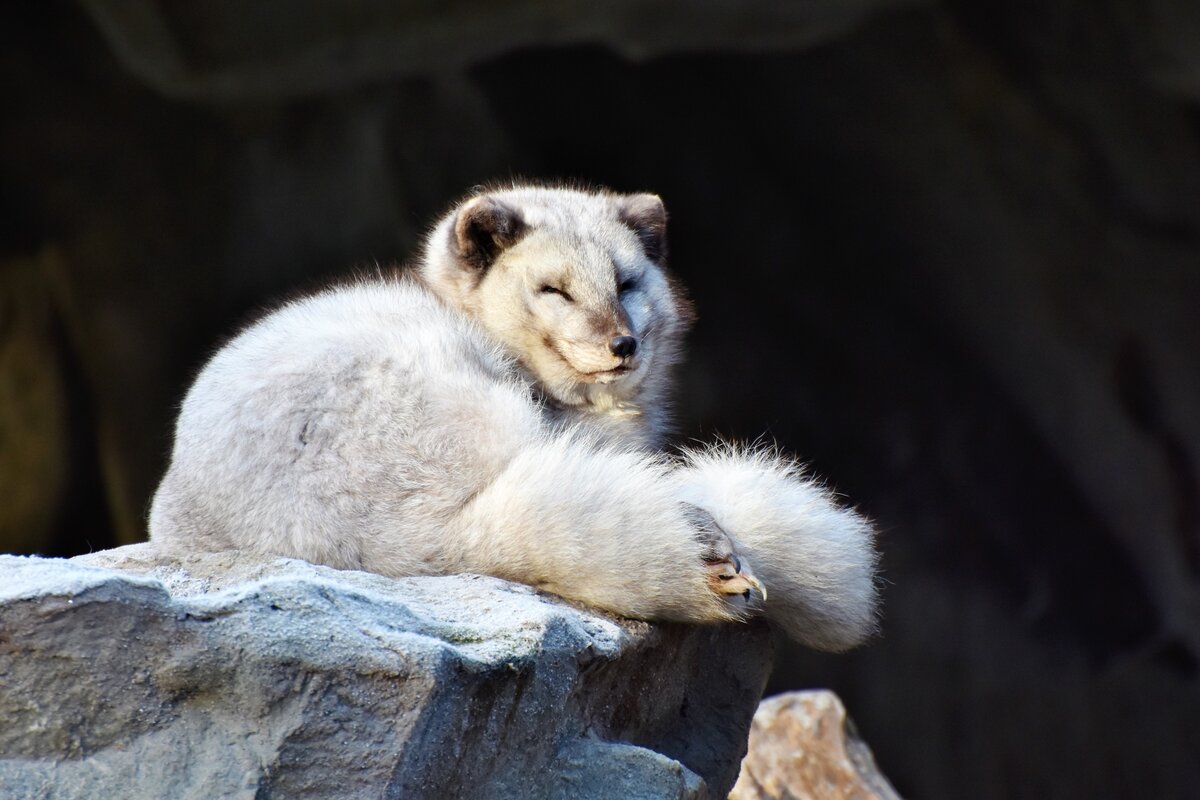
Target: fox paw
point(728, 574)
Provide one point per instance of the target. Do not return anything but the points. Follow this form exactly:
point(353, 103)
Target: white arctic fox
point(499, 412)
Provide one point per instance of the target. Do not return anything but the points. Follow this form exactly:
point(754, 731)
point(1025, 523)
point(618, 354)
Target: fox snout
point(623, 346)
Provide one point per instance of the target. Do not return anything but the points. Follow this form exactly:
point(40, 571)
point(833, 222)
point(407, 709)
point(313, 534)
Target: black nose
point(623, 346)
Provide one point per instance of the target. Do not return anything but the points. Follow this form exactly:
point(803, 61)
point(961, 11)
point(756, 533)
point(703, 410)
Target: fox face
point(576, 290)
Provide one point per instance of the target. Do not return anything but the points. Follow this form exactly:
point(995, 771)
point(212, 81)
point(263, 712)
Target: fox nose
point(623, 346)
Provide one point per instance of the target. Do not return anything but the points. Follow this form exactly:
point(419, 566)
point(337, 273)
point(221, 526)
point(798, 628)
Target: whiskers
point(649, 330)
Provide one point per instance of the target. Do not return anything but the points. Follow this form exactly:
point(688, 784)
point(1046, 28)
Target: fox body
point(499, 409)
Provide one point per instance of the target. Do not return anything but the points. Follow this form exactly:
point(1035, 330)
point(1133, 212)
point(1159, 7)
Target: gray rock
point(214, 675)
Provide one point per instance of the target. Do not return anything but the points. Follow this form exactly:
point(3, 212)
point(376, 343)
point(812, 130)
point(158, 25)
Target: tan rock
point(802, 745)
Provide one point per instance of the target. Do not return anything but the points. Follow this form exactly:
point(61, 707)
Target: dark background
point(947, 252)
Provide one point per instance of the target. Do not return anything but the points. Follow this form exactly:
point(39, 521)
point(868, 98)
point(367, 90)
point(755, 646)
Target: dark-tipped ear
point(647, 216)
point(486, 226)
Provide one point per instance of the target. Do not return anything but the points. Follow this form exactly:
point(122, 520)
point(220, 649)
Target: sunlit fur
point(464, 419)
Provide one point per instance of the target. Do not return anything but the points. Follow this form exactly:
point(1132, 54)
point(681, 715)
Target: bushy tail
point(617, 529)
point(601, 525)
point(816, 558)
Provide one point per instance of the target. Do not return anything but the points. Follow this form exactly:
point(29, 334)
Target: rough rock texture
point(802, 744)
point(210, 676)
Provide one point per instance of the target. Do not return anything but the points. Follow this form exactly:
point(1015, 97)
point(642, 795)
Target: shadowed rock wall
point(948, 252)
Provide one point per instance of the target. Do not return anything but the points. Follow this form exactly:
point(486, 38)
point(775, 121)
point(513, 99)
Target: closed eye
point(627, 285)
point(548, 289)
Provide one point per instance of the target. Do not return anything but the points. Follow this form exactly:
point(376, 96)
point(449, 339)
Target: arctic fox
point(499, 409)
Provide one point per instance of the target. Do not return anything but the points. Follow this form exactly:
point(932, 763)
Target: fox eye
point(627, 285)
point(548, 289)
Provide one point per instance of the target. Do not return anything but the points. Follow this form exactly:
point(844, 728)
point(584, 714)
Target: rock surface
point(802, 744)
point(213, 676)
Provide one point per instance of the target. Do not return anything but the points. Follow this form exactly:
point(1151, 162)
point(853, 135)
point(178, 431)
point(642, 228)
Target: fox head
point(573, 283)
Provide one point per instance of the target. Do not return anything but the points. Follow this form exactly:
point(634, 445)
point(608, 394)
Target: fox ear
point(646, 215)
point(484, 227)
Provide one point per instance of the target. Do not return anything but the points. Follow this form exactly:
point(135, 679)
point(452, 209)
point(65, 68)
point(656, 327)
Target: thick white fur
point(780, 521)
point(413, 425)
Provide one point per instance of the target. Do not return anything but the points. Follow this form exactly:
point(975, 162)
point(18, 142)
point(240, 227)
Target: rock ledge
point(134, 673)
